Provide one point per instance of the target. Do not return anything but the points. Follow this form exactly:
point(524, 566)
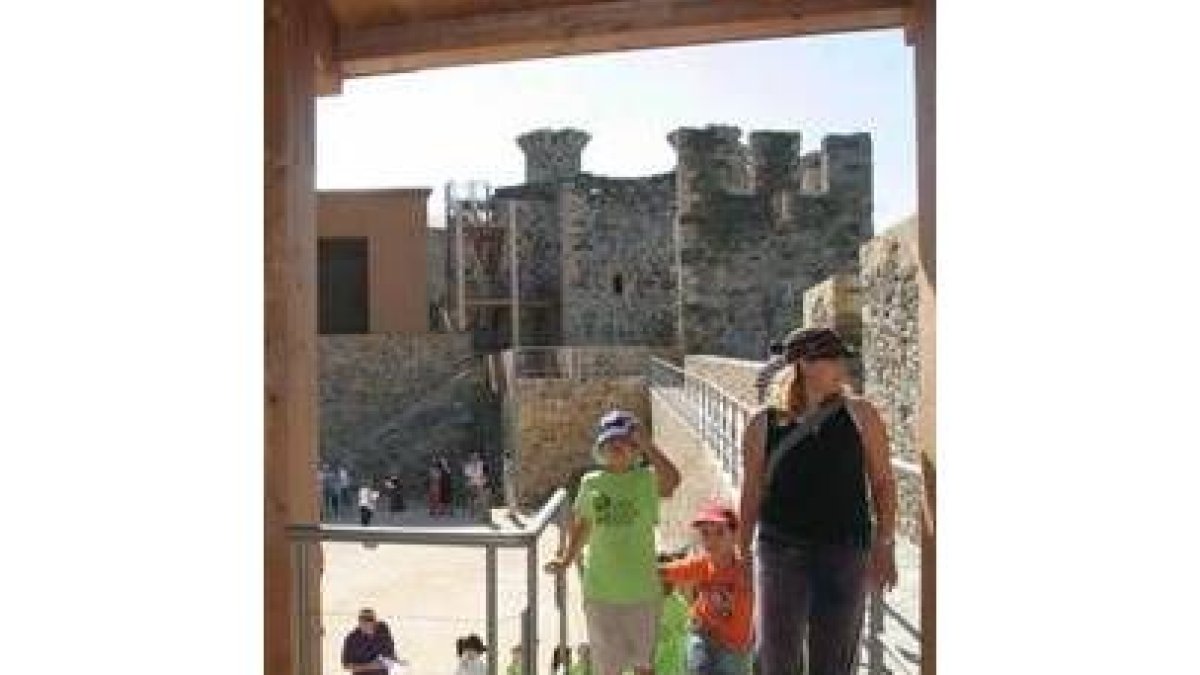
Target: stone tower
point(758, 225)
point(551, 156)
point(775, 160)
point(847, 160)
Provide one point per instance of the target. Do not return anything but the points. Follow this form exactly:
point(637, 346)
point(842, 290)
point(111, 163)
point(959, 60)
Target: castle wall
point(386, 400)
point(891, 352)
point(746, 259)
point(551, 424)
point(618, 259)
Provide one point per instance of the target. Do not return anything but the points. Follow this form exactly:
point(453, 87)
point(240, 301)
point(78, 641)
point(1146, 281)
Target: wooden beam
point(612, 25)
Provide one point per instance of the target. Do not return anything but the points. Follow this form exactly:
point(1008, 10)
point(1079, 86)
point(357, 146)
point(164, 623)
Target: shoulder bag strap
point(792, 439)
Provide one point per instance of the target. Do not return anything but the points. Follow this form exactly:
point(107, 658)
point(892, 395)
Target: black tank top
point(819, 490)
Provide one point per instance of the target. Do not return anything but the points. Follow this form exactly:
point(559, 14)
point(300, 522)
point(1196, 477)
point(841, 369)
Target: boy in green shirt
point(615, 512)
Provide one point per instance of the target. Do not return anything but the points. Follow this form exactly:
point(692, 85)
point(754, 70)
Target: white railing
point(713, 413)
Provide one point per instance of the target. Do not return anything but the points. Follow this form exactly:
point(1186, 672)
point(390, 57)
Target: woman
point(807, 466)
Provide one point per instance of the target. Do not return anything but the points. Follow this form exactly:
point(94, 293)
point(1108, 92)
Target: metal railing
point(304, 538)
point(719, 419)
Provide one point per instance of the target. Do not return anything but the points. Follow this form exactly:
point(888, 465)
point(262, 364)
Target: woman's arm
point(753, 464)
point(883, 490)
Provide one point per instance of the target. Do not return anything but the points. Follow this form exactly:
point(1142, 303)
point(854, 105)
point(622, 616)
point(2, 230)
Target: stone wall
point(735, 376)
point(552, 422)
point(891, 351)
point(747, 255)
point(618, 261)
point(386, 400)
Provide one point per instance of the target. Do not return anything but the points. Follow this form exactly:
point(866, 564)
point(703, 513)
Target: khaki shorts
point(622, 635)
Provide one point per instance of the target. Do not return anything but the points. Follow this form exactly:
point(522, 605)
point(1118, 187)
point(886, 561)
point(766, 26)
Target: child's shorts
point(622, 635)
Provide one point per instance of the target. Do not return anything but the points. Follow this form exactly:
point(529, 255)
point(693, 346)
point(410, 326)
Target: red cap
point(715, 512)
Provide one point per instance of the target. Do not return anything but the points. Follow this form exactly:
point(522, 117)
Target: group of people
point(339, 494)
point(447, 492)
point(778, 584)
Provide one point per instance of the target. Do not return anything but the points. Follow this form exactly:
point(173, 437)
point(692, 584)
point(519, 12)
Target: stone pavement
point(430, 596)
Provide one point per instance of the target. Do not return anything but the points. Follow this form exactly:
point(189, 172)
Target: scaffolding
point(482, 301)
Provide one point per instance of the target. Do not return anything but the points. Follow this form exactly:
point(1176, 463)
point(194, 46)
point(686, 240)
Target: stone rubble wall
point(837, 303)
point(891, 352)
point(551, 422)
point(388, 399)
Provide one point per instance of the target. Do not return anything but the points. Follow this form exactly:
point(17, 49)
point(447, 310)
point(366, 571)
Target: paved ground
point(432, 595)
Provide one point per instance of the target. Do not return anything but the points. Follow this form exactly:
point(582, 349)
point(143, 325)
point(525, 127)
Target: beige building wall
point(394, 221)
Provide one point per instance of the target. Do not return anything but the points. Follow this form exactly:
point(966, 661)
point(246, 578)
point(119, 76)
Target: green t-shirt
point(621, 510)
point(672, 636)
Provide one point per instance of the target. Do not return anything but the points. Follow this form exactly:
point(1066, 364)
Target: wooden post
point(922, 36)
point(297, 47)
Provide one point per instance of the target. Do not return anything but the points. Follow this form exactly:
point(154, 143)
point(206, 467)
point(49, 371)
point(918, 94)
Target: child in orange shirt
point(720, 636)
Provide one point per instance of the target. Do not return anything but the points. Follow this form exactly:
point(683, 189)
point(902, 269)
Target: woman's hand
point(883, 565)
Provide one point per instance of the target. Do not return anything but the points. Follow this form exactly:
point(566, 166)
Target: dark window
point(618, 284)
point(343, 283)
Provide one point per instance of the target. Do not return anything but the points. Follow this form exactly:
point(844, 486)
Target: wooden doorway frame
point(306, 55)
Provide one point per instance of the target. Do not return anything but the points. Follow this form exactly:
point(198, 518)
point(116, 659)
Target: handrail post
point(531, 594)
point(300, 625)
point(875, 633)
point(492, 612)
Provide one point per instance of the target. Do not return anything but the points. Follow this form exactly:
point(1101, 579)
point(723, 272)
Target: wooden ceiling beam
point(612, 25)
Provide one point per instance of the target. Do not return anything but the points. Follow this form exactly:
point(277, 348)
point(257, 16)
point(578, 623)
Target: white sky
point(425, 128)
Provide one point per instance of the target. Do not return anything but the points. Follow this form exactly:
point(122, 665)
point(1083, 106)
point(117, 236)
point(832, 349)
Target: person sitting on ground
point(720, 635)
point(470, 656)
point(369, 647)
point(615, 512)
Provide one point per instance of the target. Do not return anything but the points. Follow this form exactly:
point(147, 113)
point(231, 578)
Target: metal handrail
point(431, 536)
point(303, 537)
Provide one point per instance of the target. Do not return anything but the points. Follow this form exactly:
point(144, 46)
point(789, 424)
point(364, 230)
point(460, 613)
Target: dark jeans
point(706, 656)
point(808, 595)
point(364, 515)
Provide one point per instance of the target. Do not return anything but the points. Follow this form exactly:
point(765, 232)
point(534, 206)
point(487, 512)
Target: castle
point(711, 258)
